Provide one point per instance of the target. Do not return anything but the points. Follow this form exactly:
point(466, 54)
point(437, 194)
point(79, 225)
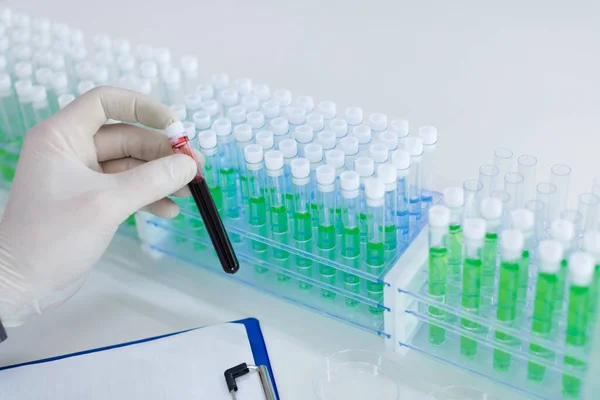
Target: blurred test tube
point(513, 185)
point(588, 207)
point(538, 209)
point(488, 175)
point(503, 158)
point(527, 165)
point(546, 193)
point(560, 176)
point(472, 189)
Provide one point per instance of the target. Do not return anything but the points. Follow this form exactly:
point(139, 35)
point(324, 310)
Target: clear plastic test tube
point(24, 92)
point(546, 193)
point(491, 212)
point(563, 232)
point(193, 104)
point(257, 204)
point(41, 107)
point(250, 102)
point(228, 166)
point(560, 177)
point(589, 208)
point(326, 241)
point(174, 86)
point(351, 249)
point(280, 128)
point(302, 218)
point(328, 110)
point(354, 117)
point(212, 108)
point(296, 117)
point(349, 145)
point(414, 146)
point(527, 165)
point(390, 141)
point(365, 167)
point(207, 141)
point(488, 174)
point(237, 115)
point(591, 245)
point(401, 161)
point(503, 159)
point(339, 127)
point(305, 102)
point(283, 98)
point(523, 220)
point(375, 226)
point(472, 194)
point(378, 124)
point(304, 136)
point(207, 92)
point(149, 70)
point(270, 110)
point(326, 138)
point(243, 138)
point(429, 136)
point(314, 154)
point(10, 114)
point(454, 201)
point(363, 134)
point(380, 155)
point(389, 177)
point(505, 199)
point(256, 120)
point(538, 208)
point(202, 122)
point(513, 185)
point(289, 149)
point(401, 128)
point(189, 69)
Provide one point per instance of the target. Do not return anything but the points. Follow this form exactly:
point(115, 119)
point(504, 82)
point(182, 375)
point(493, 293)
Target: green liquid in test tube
point(326, 226)
point(208, 147)
point(302, 218)
point(474, 234)
point(508, 289)
point(350, 185)
point(289, 149)
point(257, 215)
point(274, 162)
point(228, 170)
point(314, 154)
point(591, 244)
point(581, 274)
point(337, 159)
point(243, 137)
point(365, 167)
point(562, 231)
point(454, 199)
point(388, 175)
point(375, 193)
point(550, 255)
point(11, 121)
point(491, 211)
point(438, 220)
point(524, 221)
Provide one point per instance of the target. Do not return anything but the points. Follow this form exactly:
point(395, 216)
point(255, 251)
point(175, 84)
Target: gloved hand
point(76, 181)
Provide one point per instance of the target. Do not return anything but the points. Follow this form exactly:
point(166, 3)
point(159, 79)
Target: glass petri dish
point(460, 393)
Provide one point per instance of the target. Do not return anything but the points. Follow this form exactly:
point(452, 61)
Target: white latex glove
point(76, 181)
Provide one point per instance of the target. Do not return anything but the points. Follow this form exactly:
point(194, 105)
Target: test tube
point(193, 104)
point(414, 146)
point(378, 124)
point(491, 212)
point(505, 200)
point(296, 117)
point(349, 145)
point(327, 139)
point(523, 220)
point(174, 85)
point(365, 167)
point(304, 136)
point(454, 201)
point(243, 86)
point(228, 167)
point(257, 204)
point(280, 128)
point(339, 127)
point(563, 232)
point(243, 138)
point(375, 224)
point(390, 141)
point(551, 255)
point(326, 203)
point(103, 58)
point(102, 78)
point(144, 52)
point(429, 136)
point(389, 177)
point(380, 155)
point(591, 245)
point(270, 110)
point(314, 154)
point(189, 67)
point(503, 159)
point(237, 115)
point(207, 142)
point(363, 134)
point(149, 70)
point(527, 165)
point(212, 108)
point(256, 120)
point(302, 217)
point(574, 217)
point(305, 102)
point(328, 110)
point(265, 139)
point(289, 149)
point(220, 82)
point(162, 56)
point(24, 92)
point(438, 220)
point(41, 107)
point(10, 114)
point(283, 98)
point(401, 128)
point(276, 189)
point(354, 117)
point(506, 310)
point(538, 209)
point(472, 193)
point(350, 205)
point(596, 186)
point(207, 92)
point(581, 275)
point(202, 123)
point(24, 71)
point(488, 174)
point(589, 205)
point(474, 233)
point(513, 185)
point(560, 177)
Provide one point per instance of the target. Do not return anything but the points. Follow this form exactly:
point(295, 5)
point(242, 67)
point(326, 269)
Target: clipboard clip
point(240, 370)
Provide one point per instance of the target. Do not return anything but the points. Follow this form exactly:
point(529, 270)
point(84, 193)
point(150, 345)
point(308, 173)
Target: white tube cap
point(222, 127)
point(193, 101)
point(305, 102)
point(474, 229)
point(274, 160)
point(102, 76)
point(551, 254)
point(253, 153)
point(300, 168)
point(242, 133)
point(349, 181)
point(339, 127)
point(250, 102)
point(64, 100)
point(454, 197)
point(207, 139)
point(172, 77)
point(283, 97)
point(190, 129)
point(364, 166)
point(316, 121)
point(313, 152)
point(23, 89)
point(414, 146)
point(175, 130)
point(353, 115)
point(206, 91)
point(180, 111)
point(149, 69)
point(591, 244)
point(144, 52)
point(401, 159)
point(289, 148)
point(270, 109)
point(387, 173)
point(211, 107)
point(335, 158)
point(327, 109)
point(362, 133)
point(237, 114)
point(38, 94)
point(522, 220)
point(378, 121)
point(400, 126)
point(304, 134)
point(5, 82)
point(374, 189)
point(296, 115)
point(262, 92)
point(378, 152)
point(325, 175)
point(255, 119)
point(60, 82)
point(327, 139)
point(229, 97)
point(44, 76)
point(265, 139)
point(581, 269)
point(439, 217)
point(491, 208)
point(512, 242)
point(349, 145)
point(201, 120)
point(563, 231)
point(121, 46)
point(189, 64)
point(162, 55)
point(220, 81)
point(127, 63)
point(101, 41)
point(390, 140)
point(243, 86)
point(279, 126)
point(428, 134)
point(23, 70)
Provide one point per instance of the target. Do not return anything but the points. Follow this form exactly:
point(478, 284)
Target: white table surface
point(516, 74)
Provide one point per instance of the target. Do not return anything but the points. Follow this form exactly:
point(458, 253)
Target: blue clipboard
point(255, 337)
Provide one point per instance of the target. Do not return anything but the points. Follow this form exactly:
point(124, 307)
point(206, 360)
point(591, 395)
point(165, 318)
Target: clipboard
point(251, 326)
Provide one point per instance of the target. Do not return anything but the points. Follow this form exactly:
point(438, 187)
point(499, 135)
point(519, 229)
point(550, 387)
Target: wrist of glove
point(77, 179)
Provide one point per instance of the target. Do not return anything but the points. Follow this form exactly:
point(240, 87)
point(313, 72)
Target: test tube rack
point(412, 323)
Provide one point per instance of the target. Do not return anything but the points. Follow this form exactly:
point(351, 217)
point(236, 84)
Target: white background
point(518, 74)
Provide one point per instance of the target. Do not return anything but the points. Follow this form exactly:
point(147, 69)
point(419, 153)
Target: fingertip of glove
point(184, 166)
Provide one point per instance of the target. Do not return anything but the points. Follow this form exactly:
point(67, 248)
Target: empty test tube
point(503, 159)
point(429, 136)
point(591, 244)
point(349, 145)
point(326, 199)
point(474, 233)
point(304, 136)
point(350, 205)
point(546, 193)
point(527, 165)
point(280, 128)
point(513, 185)
point(256, 120)
point(488, 174)
point(508, 283)
point(375, 224)
point(302, 217)
point(305, 102)
point(491, 212)
point(363, 134)
point(472, 194)
point(296, 116)
point(454, 200)
point(388, 175)
point(589, 207)
point(438, 220)
point(523, 220)
point(354, 117)
point(563, 232)
point(207, 142)
point(415, 148)
point(550, 256)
